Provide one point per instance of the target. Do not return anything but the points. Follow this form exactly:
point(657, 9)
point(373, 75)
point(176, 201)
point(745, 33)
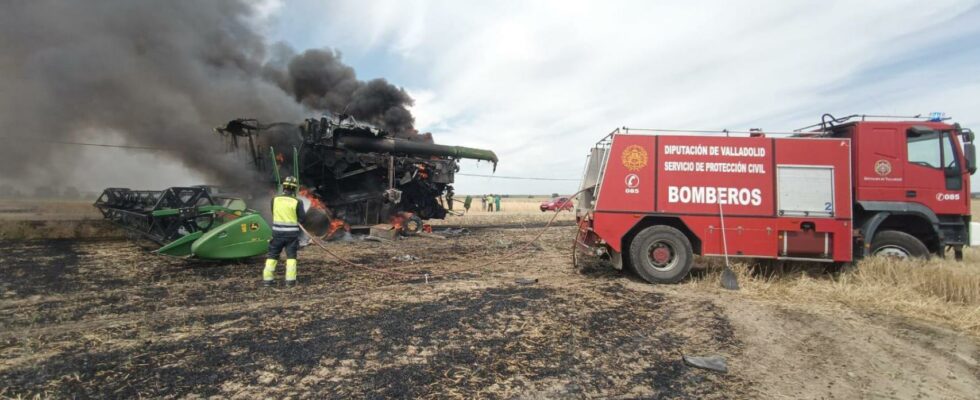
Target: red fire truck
point(852, 187)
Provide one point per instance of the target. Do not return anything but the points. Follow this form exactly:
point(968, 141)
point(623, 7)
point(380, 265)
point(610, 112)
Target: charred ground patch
point(176, 329)
point(37, 266)
point(515, 340)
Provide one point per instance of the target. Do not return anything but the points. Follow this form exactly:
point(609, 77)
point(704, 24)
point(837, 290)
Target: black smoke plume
point(319, 80)
point(161, 74)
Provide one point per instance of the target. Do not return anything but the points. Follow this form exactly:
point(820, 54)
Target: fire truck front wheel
point(661, 254)
point(898, 245)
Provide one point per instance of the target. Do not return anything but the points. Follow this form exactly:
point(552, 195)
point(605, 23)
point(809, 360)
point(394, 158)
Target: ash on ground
point(107, 319)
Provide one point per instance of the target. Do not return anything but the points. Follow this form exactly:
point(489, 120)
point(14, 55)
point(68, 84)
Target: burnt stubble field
point(98, 319)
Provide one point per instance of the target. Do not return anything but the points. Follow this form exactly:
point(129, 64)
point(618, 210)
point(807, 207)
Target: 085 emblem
point(632, 184)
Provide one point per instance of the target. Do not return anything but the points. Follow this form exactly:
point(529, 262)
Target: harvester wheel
point(661, 254)
point(412, 226)
point(898, 245)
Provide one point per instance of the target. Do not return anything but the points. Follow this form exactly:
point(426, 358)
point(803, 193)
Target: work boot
point(269, 273)
point(290, 272)
point(268, 283)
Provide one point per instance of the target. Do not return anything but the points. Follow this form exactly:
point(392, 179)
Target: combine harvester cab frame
point(188, 221)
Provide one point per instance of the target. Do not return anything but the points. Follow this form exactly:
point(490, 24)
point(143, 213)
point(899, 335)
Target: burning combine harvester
point(355, 175)
point(352, 176)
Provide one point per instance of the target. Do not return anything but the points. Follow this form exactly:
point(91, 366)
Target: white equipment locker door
point(805, 190)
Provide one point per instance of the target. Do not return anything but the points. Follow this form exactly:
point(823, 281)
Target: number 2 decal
point(828, 206)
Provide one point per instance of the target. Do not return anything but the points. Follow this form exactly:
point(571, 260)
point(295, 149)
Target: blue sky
point(540, 82)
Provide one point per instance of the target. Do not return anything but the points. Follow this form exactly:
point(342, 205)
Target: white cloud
point(539, 82)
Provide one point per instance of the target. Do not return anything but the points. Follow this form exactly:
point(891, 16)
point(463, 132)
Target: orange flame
point(336, 225)
point(398, 221)
point(315, 202)
point(280, 158)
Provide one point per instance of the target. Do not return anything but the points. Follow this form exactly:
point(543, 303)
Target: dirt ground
point(106, 319)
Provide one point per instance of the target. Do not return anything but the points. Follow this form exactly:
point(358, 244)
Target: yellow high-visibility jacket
point(287, 212)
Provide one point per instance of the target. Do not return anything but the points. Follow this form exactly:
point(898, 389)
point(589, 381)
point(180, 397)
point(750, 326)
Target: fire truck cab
point(853, 187)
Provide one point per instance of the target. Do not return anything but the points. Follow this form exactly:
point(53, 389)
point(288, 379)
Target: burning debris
point(338, 230)
point(354, 172)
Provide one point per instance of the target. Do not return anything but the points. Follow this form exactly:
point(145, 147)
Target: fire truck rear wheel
point(661, 254)
point(898, 245)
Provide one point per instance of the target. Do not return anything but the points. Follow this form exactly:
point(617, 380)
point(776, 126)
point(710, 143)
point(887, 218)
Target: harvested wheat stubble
point(937, 290)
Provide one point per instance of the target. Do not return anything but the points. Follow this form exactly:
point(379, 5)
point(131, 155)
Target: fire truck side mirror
point(970, 153)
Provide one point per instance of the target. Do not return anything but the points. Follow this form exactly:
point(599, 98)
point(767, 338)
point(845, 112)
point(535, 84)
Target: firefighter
point(287, 213)
point(496, 203)
point(489, 202)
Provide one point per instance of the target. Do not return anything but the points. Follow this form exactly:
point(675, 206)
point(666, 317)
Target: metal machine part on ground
point(188, 221)
point(856, 187)
point(354, 172)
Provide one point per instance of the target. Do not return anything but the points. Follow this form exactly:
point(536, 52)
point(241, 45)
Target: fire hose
point(315, 240)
